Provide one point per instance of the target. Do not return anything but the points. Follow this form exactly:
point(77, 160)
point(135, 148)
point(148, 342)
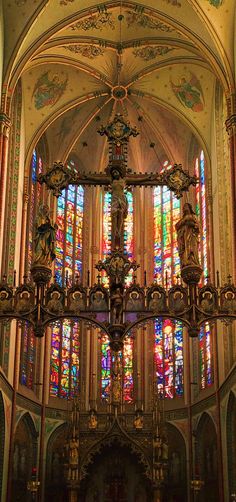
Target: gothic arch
point(231, 441)
point(2, 439)
point(114, 465)
point(116, 436)
point(54, 482)
point(24, 455)
point(206, 457)
point(177, 485)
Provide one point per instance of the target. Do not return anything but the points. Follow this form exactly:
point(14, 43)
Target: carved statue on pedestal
point(45, 236)
point(187, 235)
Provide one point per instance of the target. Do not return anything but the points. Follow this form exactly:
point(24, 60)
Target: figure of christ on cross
point(117, 182)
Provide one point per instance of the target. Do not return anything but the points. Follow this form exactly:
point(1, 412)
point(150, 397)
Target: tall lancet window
point(168, 351)
point(127, 357)
point(28, 342)
point(66, 335)
point(205, 341)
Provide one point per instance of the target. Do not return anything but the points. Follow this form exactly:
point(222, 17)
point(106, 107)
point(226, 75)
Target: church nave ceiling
point(158, 62)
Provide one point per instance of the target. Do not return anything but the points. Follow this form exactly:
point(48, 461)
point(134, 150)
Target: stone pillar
point(5, 125)
point(231, 130)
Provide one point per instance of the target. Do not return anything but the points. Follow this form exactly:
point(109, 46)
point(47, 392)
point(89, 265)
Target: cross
point(229, 277)
point(117, 177)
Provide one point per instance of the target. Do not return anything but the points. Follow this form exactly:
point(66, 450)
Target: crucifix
point(117, 176)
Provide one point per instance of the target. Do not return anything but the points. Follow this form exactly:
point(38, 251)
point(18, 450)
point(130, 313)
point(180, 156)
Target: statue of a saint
point(92, 421)
point(119, 205)
point(55, 305)
point(138, 421)
point(116, 390)
point(24, 303)
point(77, 302)
point(116, 382)
point(156, 303)
point(157, 447)
point(44, 241)
point(5, 302)
point(177, 303)
point(207, 302)
point(229, 302)
point(187, 235)
point(134, 302)
point(98, 301)
point(73, 473)
point(116, 306)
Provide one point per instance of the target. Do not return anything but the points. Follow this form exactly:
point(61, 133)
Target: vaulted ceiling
point(157, 62)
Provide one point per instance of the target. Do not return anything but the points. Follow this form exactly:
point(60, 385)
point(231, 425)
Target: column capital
point(5, 124)
point(231, 125)
point(231, 102)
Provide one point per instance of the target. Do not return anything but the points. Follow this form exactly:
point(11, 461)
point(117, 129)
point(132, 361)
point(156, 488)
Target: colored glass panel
point(129, 235)
point(168, 352)
point(127, 358)
point(65, 344)
point(205, 356)
point(168, 358)
point(166, 215)
point(28, 339)
point(128, 384)
point(106, 368)
point(205, 349)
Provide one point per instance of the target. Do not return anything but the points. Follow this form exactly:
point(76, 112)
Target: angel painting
point(189, 93)
point(216, 3)
point(48, 89)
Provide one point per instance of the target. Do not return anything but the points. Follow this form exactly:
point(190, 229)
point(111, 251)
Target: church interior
point(117, 251)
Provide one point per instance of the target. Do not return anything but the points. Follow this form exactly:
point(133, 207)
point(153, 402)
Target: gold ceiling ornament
point(141, 18)
point(102, 19)
point(119, 130)
point(174, 3)
point(178, 180)
point(57, 178)
point(86, 50)
point(151, 51)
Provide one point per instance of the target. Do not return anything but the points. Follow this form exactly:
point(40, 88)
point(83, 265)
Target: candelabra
point(196, 485)
point(160, 447)
point(117, 309)
point(72, 454)
point(33, 485)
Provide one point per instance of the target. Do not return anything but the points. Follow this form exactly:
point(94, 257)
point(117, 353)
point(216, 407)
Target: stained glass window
point(128, 231)
point(169, 357)
point(127, 357)
point(168, 351)
point(205, 342)
point(128, 384)
point(106, 368)
point(68, 263)
point(28, 341)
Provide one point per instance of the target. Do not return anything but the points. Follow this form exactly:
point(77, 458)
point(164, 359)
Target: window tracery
point(205, 342)
point(127, 356)
point(168, 342)
point(65, 344)
point(28, 340)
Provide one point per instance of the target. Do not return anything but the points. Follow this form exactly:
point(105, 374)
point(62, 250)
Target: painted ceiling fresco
point(155, 62)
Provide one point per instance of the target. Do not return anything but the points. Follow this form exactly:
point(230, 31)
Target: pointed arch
point(54, 483)
point(206, 457)
point(24, 455)
point(231, 441)
point(2, 440)
point(177, 459)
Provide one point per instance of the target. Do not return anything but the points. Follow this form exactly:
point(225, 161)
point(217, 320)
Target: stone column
point(5, 125)
point(231, 130)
